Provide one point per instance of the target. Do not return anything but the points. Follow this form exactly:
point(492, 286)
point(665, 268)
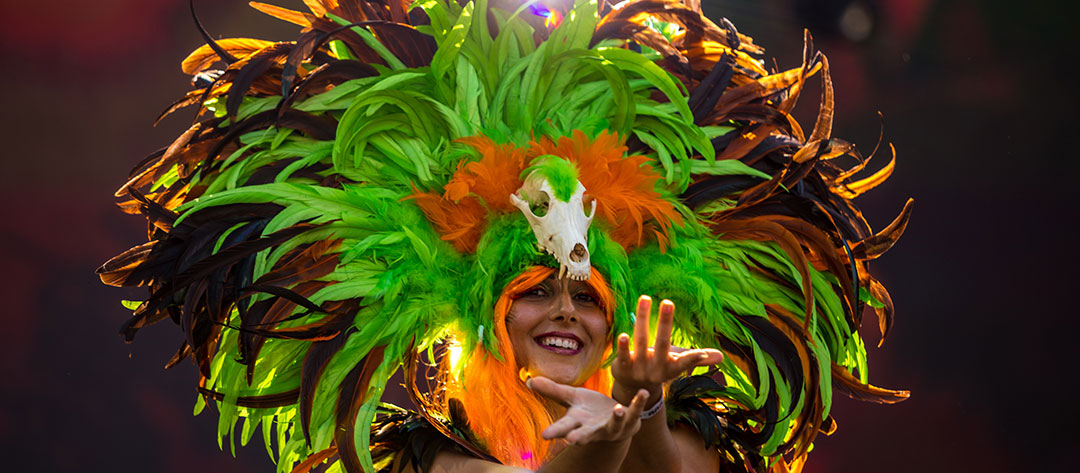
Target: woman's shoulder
point(405, 441)
point(709, 428)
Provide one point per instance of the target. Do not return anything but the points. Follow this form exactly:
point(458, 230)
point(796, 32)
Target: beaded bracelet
point(655, 409)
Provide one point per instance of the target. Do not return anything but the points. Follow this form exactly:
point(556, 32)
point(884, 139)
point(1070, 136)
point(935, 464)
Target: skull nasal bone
point(579, 253)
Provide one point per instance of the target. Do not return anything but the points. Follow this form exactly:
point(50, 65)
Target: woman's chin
point(572, 369)
point(571, 380)
point(570, 375)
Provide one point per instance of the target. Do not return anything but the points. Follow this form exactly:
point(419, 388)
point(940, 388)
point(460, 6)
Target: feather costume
point(342, 204)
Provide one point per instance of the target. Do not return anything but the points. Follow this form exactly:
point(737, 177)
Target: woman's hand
point(648, 368)
point(590, 416)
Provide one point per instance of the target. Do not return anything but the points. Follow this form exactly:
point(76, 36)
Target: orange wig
point(503, 413)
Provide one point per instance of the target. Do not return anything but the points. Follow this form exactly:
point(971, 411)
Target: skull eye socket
point(540, 204)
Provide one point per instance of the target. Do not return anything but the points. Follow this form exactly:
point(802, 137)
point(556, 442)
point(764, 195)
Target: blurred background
point(975, 95)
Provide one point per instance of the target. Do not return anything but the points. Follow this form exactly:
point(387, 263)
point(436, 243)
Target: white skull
point(562, 230)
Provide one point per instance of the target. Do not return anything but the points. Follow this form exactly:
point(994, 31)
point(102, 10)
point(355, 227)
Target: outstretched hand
point(648, 368)
point(590, 416)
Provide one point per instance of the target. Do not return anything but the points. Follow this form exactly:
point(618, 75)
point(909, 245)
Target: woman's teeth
point(560, 342)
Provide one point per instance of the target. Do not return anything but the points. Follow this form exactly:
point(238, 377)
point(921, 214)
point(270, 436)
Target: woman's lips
point(560, 342)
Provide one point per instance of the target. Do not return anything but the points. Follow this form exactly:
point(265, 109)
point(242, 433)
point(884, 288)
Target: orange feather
point(623, 186)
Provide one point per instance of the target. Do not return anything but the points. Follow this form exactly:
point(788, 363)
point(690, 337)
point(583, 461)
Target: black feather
point(715, 187)
point(704, 97)
point(221, 52)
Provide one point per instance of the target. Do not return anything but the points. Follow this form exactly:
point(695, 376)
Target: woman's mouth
point(561, 343)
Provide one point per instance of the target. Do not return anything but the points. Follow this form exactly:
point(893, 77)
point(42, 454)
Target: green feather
point(561, 174)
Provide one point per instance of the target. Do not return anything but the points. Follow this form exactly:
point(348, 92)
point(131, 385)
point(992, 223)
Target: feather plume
point(311, 231)
point(623, 186)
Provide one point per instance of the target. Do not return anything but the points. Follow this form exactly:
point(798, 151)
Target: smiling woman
point(505, 178)
point(501, 410)
point(559, 330)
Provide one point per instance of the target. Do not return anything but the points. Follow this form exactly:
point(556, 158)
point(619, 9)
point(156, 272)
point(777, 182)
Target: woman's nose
point(564, 308)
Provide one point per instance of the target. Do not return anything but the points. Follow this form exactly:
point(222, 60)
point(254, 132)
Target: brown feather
point(257, 323)
point(877, 245)
point(291, 16)
point(823, 125)
point(315, 459)
point(314, 261)
point(305, 46)
point(250, 69)
point(809, 421)
point(761, 229)
point(854, 189)
point(412, 47)
point(180, 354)
point(266, 401)
point(885, 313)
point(323, 78)
point(426, 406)
point(848, 384)
point(317, 7)
point(353, 394)
point(205, 56)
point(315, 360)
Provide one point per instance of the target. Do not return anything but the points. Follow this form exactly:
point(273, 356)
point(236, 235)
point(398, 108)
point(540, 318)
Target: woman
point(559, 331)
point(391, 181)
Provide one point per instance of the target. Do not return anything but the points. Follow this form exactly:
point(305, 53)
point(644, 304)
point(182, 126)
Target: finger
point(560, 393)
point(560, 428)
point(637, 405)
point(700, 357)
point(582, 434)
point(617, 421)
point(622, 349)
point(641, 325)
point(663, 329)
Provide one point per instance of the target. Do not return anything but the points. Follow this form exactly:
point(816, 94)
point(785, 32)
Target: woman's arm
point(694, 456)
point(598, 429)
point(450, 461)
point(596, 457)
point(654, 448)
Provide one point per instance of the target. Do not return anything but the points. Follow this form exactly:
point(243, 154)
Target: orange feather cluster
point(623, 187)
point(477, 188)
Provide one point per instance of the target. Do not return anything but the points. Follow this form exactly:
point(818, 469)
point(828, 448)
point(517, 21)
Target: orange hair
point(502, 412)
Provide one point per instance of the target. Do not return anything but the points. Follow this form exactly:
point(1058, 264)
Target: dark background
point(975, 96)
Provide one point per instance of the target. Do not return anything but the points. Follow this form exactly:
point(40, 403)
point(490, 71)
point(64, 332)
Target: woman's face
point(558, 330)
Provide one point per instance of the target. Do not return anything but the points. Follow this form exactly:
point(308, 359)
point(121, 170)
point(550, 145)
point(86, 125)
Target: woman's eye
point(586, 298)
point(537, 291)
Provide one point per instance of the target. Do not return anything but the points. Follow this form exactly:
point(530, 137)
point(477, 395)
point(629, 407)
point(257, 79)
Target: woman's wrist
point(653, 409)
point(624, 394)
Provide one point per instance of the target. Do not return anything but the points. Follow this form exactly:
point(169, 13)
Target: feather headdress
point(342, 204)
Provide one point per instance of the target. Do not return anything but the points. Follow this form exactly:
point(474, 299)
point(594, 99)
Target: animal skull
point(562, 230)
